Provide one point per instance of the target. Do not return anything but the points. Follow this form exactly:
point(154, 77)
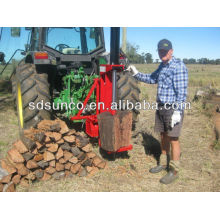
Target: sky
point(187, 42)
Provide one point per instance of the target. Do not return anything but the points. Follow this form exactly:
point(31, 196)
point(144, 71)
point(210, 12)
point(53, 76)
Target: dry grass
point(200, 166)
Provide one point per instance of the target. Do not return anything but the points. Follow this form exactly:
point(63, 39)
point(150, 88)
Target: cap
point(164, 44)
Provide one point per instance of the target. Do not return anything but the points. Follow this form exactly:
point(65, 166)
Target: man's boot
point(172, 174)
point(163, 164)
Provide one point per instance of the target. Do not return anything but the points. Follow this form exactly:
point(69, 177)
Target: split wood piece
point(46, 176)
point(61, 141)
point(31, 176)
point(46, 125)
point(62, 160)
point(6, 179)
point(39, 173)
point(68, 165)
point(30, 144)
point(75, 168)
point(93, 171)
point(54, 136)
point(96, 161)
point(81, 141)
point(70, 139)
point(1, 187)
point(43, 164)
point(15, 156)
point(16, 179)
point(64, 129)
point(38, 157)
point(28, 156)
point(52, 147)
point(31, 164)
point(22, 170)
point(102, 165)
point(71, 132)
point(65, 146)
point(73, 160)
point(118, 127)
point(67, 155)
point(21, 148)
point(76, 151)
point(87, 148)
point(91, 155)
point(52, 163)
point(10, 187)
point(59, 167)
point(59, 154)
point(50, 170)
point(48, 156)
point(39, 137)
point(82, 172)
point(24, 182)
point(5, 164)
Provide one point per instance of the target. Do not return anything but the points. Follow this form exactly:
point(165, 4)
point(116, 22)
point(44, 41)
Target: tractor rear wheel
point(30, 87)
point(128, 90)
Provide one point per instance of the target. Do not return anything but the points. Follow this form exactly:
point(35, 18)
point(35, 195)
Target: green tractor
point(58, 70)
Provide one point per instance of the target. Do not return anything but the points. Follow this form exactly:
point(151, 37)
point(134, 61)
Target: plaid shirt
point(172, 80)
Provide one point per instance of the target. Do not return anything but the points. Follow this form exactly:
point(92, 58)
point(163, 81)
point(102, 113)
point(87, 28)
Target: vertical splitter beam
point(114, 56)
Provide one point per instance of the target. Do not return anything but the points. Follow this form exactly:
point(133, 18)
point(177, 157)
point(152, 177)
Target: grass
point(199, 75)
point(199, 163)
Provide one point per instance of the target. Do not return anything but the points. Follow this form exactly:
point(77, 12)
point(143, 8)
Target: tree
point(148, 58)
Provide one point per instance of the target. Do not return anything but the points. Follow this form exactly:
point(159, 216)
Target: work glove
point(175, 118)
point(133, 70)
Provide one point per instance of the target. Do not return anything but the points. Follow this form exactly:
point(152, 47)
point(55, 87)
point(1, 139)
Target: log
point(45, 125)
point(55, 127)
point(8, 167)
point(62, 160)
point(81, 156)
point(61, 141)
point(15, 156)
point(48, 156)
point(81, 141)
point(71, 132)
point(86, 162)
point(21, 148)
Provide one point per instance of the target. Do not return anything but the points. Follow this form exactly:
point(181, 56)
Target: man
point(172, 79)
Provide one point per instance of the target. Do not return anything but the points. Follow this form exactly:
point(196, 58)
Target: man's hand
point(133, 70)
point(176, 118)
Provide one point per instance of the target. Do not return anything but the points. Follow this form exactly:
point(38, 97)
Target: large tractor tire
point(30, 86)
point(127, 89)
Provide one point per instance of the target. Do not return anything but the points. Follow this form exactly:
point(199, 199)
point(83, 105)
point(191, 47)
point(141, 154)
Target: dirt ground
point(200, 164)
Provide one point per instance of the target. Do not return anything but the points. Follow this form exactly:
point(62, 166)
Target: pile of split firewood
point(51, 150)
